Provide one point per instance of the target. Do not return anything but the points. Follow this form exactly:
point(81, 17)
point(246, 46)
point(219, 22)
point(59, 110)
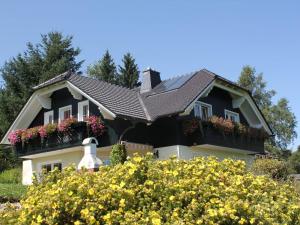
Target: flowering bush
point(96, 125)
point(147, 191)
point(225, 126)
point(66, 124)
point(118, 154)
point(30, 133)
point(15, 136)
point(274, 168)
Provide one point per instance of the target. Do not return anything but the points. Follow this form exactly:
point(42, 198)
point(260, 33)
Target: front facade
point(73, 119)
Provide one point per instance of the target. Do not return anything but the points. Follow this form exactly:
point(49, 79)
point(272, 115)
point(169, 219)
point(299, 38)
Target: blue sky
point(173, 37)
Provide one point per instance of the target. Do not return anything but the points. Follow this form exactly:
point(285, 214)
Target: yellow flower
point(39, 219)
point(122, 184)
point(91, 191)
point(172, 198)
point(122, 203)
point(156, 221)
point(77, 222)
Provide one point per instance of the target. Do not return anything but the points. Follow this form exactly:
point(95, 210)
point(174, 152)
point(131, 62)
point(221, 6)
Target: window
point(233, 116)
point(203, 110)
point(83, 110)
point(47, 167)
point(65, 112)
point(48, 117)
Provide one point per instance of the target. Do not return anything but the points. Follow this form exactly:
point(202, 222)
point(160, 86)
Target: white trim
point(204, 92)
point(239, 93)
point(107, 114)
point(200, 111)
point(226, 111)
point(61, 110)
point(80, 109)
point(46, 117)
point(52, 162)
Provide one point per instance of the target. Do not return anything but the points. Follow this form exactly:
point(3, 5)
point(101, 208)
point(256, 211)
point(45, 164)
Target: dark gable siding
point(221, 100)
point(60, 99)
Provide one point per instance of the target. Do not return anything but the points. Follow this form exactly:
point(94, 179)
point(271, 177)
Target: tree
point(280, 117)
point(257, 86)
point(129, 73)
point(52, 56)
point(104, 69)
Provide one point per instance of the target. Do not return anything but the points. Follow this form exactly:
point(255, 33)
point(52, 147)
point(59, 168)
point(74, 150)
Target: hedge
point(147, 191)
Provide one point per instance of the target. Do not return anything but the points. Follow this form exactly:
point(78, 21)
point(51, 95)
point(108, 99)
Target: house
point(197, 114)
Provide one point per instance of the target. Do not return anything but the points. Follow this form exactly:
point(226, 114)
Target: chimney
point(151, 78)
point(90, 160)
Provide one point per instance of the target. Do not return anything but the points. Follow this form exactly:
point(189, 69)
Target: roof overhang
point(241, 99)
point(41, 99)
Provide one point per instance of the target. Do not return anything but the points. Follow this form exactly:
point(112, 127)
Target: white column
point(27, 172)
point(90, 160)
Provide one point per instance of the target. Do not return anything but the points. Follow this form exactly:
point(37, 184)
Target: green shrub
point(118, 154)
point(11, 192)
point(147, 191)
point(274, 168)
point(11, 176)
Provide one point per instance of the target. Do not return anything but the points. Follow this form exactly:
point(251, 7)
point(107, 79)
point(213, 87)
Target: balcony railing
point(207, 133)
point(55, 141)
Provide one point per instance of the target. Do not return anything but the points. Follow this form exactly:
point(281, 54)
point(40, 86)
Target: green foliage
point(294, 161)
point(9, 215)
point(11, 192)
point(274, 168)
point(129, 72)
point(280, 117)
point(52, 56)
point(118, 154)
point(147, 191)
point(8, 159)
point(104, 69)
point(11, 176)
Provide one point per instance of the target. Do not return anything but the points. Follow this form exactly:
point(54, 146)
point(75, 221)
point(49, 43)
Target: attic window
point(203, 110)
point(233, 116)
point(65, 112)
point(83, 110)
point(48, 117)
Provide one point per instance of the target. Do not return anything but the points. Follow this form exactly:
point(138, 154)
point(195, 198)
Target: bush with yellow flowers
point(147, 191)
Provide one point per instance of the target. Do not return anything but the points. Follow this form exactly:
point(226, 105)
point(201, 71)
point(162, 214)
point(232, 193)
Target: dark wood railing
point(55, 141)
point(211, 136)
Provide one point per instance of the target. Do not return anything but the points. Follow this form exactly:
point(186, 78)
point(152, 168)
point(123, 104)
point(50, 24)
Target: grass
point(11, 189)
point(11, 192)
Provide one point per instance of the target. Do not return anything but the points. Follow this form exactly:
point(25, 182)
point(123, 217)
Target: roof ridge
point(102, 81)
point(63, 75)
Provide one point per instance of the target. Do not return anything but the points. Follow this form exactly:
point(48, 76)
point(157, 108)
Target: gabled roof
point(170, 97)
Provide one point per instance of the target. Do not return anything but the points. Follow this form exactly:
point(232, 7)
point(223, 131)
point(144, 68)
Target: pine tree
point(104, 69)
point(129, 73)
point(53, 56)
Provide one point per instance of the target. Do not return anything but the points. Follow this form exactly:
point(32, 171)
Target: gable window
point(233, 116)
point(203, 110)
point(83, 110)
point(65, 112)
point(48, 117)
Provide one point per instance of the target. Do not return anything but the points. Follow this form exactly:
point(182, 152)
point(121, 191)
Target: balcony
point(224, 134)
point(55, 141)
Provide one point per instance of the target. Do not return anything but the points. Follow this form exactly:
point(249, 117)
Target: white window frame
point(46, 117)
point(199, 103)
point(232, 113)
point(41, 164)
point(62, 110)
point(80, 109)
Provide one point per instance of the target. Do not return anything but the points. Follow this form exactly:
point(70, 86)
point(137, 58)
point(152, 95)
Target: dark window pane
point(58, 166)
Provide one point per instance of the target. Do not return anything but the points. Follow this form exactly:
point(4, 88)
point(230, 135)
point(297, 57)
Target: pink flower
point(15, 136)
point(42, 132)
point(96, 125)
